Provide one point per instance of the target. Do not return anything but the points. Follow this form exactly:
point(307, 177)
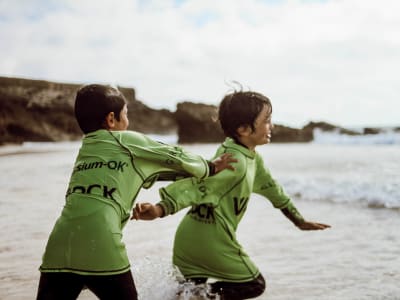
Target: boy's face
point(123, 122)
point(262, 128)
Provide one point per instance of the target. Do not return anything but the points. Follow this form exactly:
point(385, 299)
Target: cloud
point(314, 59)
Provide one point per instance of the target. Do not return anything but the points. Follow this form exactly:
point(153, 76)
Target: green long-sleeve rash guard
point(108, 173)
point(205, 242)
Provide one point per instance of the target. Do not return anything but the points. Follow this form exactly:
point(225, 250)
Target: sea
point(349, 182)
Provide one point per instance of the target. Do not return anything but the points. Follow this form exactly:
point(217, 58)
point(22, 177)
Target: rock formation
point(197, 123)
point(323, 126)
point(284, 134)
point(37, 110)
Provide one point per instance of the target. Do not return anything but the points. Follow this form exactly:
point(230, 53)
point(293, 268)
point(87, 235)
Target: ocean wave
point(347, 192)
point(38, 147)
point(387, 136)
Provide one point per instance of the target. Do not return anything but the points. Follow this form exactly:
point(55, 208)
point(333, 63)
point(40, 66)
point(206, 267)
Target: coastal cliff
point(38, 110)
point(197, 124)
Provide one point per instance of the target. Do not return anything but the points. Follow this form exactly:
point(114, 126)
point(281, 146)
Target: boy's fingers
point(145, 207)
point(228, 157)
point(140, 210)
point(142, 207)
point(323, 226)
point(320, 226)
point(137, 211)
point(229, 167)
point(138, 207)
point(225, 161)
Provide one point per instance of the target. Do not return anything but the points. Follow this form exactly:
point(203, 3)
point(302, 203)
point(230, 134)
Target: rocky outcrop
point(197, 123)
point(284, 134)
point(370, 130)
point(147, 120)
point(37, 110)
point(323, 126)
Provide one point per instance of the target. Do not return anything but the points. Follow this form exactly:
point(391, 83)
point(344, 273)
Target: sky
point(336, 61)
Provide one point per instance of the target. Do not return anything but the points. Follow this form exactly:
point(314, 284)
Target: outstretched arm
point(307, 225)
point(268, 187)
point(215, 166)
point(170, 158)
point(293, 215)
point(193, 191)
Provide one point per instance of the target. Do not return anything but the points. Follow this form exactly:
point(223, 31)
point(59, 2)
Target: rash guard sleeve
point(267, 186)
point(192, 191)
point(172, 157)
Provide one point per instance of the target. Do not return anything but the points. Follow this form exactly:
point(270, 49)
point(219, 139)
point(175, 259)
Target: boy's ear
point(110, 120)
point(244, 130)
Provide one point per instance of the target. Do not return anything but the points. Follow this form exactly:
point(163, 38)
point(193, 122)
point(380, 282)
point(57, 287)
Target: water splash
point(190, 291)
point(158, 280)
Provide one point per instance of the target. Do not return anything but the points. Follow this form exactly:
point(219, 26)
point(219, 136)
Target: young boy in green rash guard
point(205, 242)
point(85, 247)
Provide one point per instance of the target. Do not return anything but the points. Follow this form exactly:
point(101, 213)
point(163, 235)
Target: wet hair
point(241, 109)
point(94, 102)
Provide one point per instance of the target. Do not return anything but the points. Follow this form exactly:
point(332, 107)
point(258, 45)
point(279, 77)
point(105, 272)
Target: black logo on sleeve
point(240, 205)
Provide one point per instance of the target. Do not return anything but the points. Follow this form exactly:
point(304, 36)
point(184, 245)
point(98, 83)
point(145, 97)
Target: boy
point(205, 243)
point(85, 247)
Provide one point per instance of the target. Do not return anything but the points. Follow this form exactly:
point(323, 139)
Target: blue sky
point(320, 60)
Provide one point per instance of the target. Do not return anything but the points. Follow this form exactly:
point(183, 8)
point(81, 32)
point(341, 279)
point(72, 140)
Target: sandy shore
point(340, 263)
point(357, 259)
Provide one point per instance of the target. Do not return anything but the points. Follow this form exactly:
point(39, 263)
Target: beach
point(354, 188)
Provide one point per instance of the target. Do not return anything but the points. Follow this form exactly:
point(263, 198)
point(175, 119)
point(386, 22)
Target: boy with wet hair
point(85, 247)
point(205, 243)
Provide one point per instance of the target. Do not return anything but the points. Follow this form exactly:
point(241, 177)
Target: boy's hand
point(306, 225)
point(224, 162)
point(146, 211)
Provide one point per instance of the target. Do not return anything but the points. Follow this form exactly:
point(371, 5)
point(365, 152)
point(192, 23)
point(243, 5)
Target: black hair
point(240, 109)
point(94, 102)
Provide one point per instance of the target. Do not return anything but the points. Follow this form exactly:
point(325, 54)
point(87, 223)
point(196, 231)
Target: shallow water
point(354, 188)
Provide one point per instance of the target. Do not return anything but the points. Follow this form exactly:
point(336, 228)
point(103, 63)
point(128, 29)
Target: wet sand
point(358, 258)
